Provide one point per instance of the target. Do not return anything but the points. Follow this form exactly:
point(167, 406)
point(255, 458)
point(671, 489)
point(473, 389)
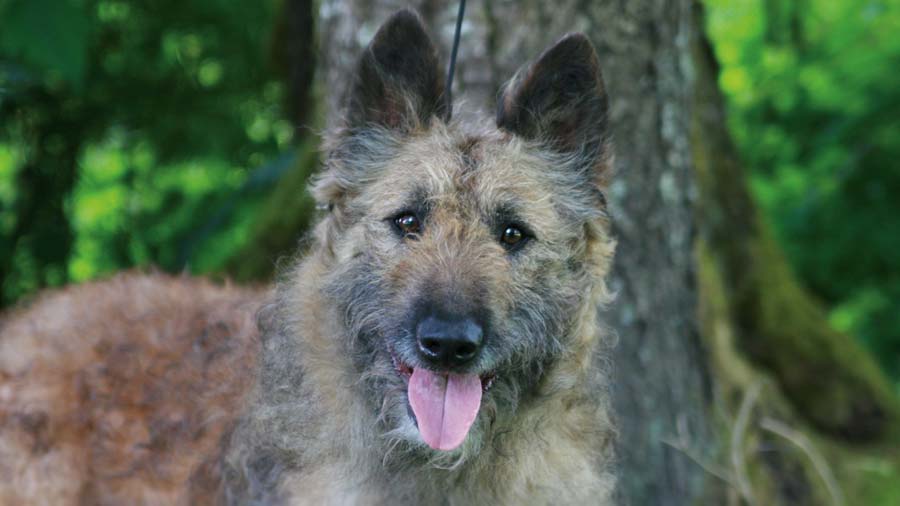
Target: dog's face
point(464, 254)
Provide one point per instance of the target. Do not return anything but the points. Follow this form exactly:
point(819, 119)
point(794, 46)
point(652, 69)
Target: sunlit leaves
point(171, 103)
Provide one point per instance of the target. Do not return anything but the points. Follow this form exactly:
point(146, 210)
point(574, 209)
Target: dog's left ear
point(399, 83)
point(560, 101)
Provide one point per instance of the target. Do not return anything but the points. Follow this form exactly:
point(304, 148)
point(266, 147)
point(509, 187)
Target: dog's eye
point(512, 236)
point(408, 224)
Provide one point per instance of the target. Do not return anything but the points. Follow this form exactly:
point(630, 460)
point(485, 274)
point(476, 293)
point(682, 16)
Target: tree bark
point(660, 377)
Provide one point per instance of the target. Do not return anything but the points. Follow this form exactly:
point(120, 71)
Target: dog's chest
point(522, 481)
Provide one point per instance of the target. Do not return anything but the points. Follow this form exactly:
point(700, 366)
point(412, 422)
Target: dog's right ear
point(399, 82)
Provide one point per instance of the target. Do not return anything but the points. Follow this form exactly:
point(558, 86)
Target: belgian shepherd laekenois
point(439, 342)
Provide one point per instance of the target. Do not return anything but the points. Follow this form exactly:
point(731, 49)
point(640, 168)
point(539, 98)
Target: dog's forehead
point(485, 170)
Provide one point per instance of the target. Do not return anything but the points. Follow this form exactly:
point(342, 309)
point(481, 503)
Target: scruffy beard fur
point(327, 418)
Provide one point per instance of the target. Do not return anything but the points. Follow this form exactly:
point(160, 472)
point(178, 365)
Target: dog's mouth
point(444, 404)
point(405, 370)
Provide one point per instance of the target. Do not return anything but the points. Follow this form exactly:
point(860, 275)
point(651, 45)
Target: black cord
point(459, 17)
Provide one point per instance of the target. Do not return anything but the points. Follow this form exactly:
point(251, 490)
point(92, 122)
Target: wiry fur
point(329, 422)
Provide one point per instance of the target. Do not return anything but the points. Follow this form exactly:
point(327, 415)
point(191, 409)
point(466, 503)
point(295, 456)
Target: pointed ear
point(560, 100)
point(399, 83)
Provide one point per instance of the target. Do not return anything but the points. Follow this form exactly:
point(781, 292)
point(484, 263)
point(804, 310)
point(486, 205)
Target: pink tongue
point(445, 406)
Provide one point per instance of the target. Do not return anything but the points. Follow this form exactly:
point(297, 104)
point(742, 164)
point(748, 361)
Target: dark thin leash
point(449, 87)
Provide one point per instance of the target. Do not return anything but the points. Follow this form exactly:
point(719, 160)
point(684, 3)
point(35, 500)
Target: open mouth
point(405, 370)
point(444, 404)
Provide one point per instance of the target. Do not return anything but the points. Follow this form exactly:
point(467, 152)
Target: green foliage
point(814, 96)
point(128, 130)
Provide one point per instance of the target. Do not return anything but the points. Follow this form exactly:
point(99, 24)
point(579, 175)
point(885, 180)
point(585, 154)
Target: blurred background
point(181, 135)
point(813, 90)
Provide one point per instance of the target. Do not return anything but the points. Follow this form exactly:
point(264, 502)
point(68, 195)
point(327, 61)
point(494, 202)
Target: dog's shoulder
point(118, 391)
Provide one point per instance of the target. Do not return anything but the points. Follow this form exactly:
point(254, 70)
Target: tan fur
point(118, 392)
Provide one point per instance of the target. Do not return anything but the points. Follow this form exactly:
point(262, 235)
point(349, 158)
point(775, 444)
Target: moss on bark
point(805, 468)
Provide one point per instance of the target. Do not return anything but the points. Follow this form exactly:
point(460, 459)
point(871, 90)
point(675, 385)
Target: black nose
point(449, 341)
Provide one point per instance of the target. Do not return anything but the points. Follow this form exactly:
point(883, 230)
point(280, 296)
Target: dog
point(438, 343)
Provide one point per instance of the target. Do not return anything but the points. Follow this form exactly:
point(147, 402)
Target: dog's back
point(120, 392)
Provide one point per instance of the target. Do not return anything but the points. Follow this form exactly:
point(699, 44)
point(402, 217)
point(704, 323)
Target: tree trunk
point(287, 213)
point(34, 253)
point(831, 380)
point(294, 50)
point(660, 374)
